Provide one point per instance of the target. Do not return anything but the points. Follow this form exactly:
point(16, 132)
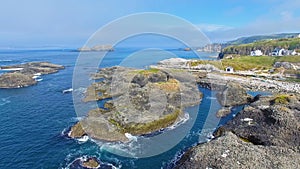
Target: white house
point(256, 53)
point(294, 53)
point(278, 52)
point(229, 69)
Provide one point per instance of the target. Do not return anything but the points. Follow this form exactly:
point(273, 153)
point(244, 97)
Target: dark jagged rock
point(230, 151)
point(140, 80)
point(270, 121)
point(263, 135)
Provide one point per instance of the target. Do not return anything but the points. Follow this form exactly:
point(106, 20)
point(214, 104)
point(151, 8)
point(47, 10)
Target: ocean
point(34, 120)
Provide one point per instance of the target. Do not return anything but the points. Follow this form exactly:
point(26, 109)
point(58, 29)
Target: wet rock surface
point(263, 135)
point(143, 101)
point(24, 75)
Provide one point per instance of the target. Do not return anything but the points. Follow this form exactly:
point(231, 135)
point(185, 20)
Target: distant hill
point(251, 39)
point(266, 46)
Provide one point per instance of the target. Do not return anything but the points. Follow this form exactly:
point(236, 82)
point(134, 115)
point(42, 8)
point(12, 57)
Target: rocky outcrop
point(96, 48)
point(144, 101)
point(87, 163)
point(231, 151)
point(91, 163)
point(263, 135)
point(232, 95)
point(223, 112)
point(287, 65)
point(24, 75)
point(16, 80)
point(270, 121)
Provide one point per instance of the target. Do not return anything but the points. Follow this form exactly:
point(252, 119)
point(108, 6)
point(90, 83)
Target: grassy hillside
point(249, 62)
point(251, 39)
point(266, 46)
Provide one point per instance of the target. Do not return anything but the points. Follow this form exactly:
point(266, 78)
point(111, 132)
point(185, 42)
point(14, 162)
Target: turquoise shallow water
point(33, 119)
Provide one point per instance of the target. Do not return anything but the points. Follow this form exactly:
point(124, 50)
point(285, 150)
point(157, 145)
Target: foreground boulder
point(270, 121)
point(231, 151)
point(266, 135)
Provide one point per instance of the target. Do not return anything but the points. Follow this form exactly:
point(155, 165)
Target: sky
point(70, 23)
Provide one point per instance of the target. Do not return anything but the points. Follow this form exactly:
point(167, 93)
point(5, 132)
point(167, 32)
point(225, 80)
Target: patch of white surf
point(68, 90)
point(131, 137)
point(4, 101)
point(83, 139)
point(183, 120)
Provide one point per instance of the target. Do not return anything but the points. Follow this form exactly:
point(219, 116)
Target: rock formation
point(144, 101)
point(23, 75)
point(232, 95)
point(263, 135)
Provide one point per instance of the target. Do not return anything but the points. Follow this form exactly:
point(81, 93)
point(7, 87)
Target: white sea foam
point(180, 122)
point(76, 119)
point(6, 60)
point(4, 101)
point(131, 137)
point(211, 98)
point(83, 139)
point(126, 149)
point(38, 79)
point(67, 90)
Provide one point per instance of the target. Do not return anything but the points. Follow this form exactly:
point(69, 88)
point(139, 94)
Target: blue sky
point(69, 23)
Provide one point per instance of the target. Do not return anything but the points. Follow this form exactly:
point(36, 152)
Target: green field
point(249, 62)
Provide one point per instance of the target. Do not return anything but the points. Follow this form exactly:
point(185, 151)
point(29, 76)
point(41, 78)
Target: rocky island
point(143, 101)
point(27, 74)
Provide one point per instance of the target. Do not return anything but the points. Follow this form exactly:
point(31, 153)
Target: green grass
point(143, 128)
point(287, 43)
point(292, 59)
point(249, 62)
point(148, 71)
point(282, 99)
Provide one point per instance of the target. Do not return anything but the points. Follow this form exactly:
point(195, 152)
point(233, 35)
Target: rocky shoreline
point(265, 134)
point(27, 74)
point(249, 83)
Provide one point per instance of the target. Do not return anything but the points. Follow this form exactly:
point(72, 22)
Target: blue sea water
point(34, 120)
